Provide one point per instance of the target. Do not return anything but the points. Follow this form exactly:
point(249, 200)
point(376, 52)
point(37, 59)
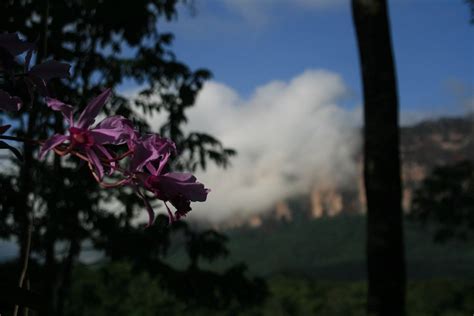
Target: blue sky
point(247, 44)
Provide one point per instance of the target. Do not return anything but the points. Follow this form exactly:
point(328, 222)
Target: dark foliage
point(107, 43)
point(145, 251)
point(446, 201)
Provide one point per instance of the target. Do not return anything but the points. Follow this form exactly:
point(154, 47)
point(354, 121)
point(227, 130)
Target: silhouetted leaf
point(15, 151)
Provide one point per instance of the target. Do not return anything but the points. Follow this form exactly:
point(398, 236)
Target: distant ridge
point(424, 145)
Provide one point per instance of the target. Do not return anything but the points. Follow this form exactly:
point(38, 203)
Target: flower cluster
point(146, 156)
point(143, 165)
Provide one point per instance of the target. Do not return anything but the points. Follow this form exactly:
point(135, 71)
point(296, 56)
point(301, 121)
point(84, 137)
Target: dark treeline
point(56, 204)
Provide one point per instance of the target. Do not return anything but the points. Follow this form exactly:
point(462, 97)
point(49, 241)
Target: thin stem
point(28, 246)
point(26, 311)
point(128, 153)
point(25, 261)
point(104, 184)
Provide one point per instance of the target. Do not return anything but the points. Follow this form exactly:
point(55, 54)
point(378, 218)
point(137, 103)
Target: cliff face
point(430, 144)
point(423, 146)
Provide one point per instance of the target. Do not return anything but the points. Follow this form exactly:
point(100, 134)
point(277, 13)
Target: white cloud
point(289, 137)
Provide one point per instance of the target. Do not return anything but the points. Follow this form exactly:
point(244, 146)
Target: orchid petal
point(171, 186)
point(184, 184)
point(182, 206)
point(164, 159)
point(52, 143)
point(92, 109)
point(151, 168)
point(62, 107)
point(142, 156)
point(107, 155)
point(113, 130)
point(151, 213)
point(95, 161)
point(107, 136)
point(115, 121)
point(182, 176)
point(170, 214)
point(149, 149)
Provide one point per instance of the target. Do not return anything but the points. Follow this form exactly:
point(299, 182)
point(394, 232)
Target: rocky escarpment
point(423, 146)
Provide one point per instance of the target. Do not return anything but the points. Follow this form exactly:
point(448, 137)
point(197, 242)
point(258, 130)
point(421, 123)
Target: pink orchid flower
point(178, 188)
point(86, 139)
point(151, 154)
point(151, 148)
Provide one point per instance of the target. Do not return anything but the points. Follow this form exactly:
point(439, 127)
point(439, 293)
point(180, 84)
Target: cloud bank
point(290, 136)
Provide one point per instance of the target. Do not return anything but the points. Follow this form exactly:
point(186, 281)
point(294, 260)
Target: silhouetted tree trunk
point(26, 179)
point(385, 254)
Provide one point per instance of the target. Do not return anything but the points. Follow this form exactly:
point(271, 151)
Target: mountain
point(322, 234)
point(423, 146)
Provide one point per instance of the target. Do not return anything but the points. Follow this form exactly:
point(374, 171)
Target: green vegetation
point(322, 275)
point(114, 289)
point(333, 249)
point(293, 296)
